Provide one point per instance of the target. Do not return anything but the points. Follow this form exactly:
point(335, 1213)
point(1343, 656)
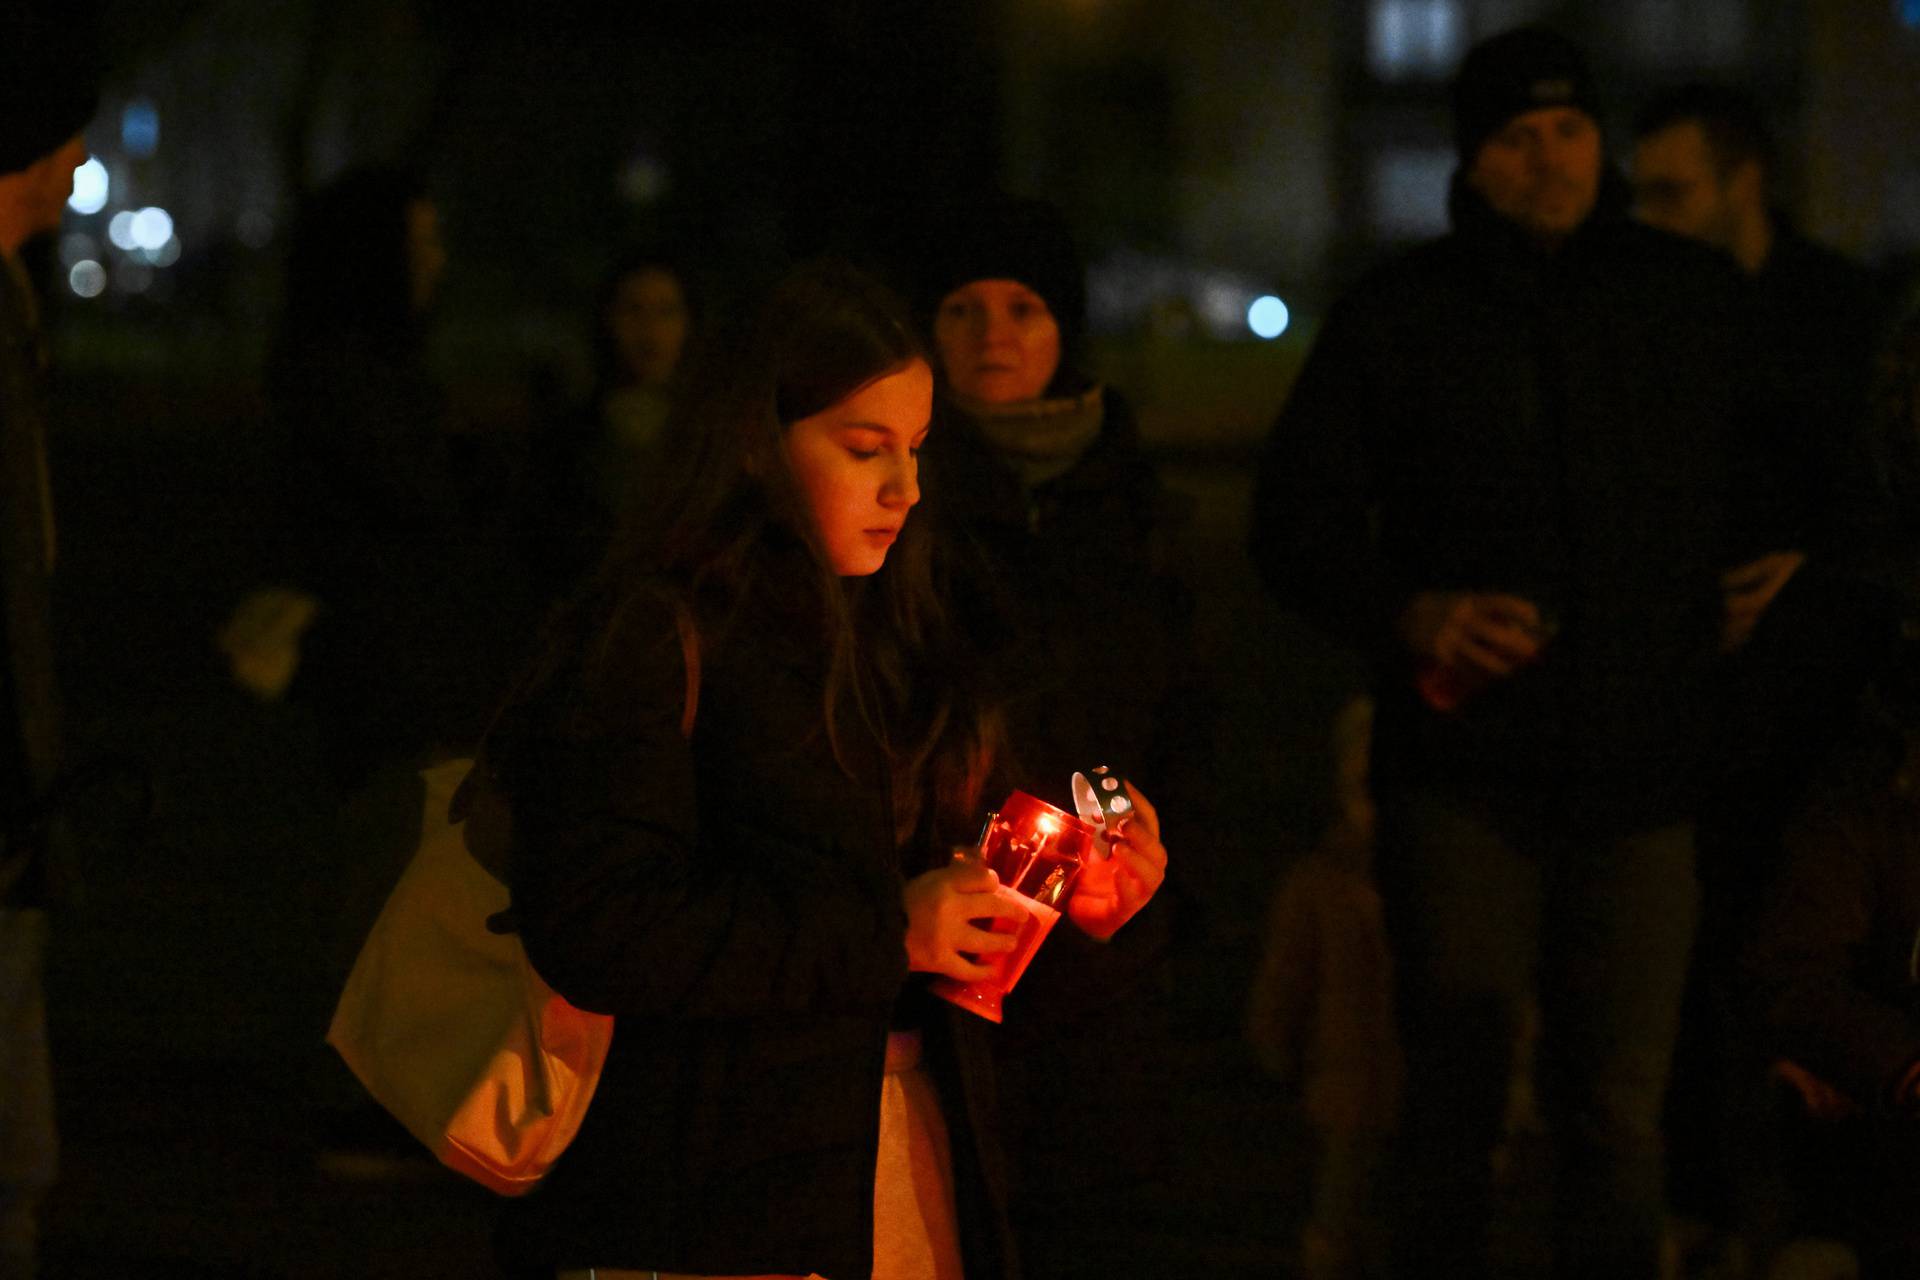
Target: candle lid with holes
point(1100, 795)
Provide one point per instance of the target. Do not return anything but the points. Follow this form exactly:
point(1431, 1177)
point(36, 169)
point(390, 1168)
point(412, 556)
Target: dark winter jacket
point(29, 703)
point(1787, 696)
point(1581, 428)
point(1820, 322)
point(734, 901)
point(1074, 591)
point(1833, 963)
point(1080, 600)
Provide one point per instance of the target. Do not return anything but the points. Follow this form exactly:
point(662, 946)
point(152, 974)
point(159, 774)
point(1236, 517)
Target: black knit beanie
point(49, 78)
point(1511, 74)
point(1008, 238)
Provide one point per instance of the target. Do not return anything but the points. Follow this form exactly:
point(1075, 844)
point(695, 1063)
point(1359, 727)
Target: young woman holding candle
point(753, 902)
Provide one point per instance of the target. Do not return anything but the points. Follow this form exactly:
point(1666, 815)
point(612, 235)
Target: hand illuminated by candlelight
point(1111, 892)
point(941, 908)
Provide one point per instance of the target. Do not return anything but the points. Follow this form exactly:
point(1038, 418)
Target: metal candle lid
point(1100, 796)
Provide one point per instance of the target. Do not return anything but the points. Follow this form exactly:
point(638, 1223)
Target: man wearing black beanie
point(47, 95)
point(1511, 473)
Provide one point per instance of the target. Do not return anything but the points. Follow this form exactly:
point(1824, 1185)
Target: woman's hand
point(941, 908)
point(1110, 893)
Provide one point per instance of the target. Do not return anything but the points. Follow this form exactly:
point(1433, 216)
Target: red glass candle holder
point(1036, 851)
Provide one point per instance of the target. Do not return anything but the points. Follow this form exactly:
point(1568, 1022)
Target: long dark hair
point(737, 523)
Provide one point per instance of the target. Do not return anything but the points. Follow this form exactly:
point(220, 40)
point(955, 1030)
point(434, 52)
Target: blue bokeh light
point(140, 128)
point(1268, 317)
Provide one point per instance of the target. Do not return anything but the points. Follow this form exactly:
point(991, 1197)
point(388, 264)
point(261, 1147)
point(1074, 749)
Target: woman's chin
point(862, 565)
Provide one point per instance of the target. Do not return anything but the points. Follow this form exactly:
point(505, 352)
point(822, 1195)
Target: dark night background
point(1208, 152)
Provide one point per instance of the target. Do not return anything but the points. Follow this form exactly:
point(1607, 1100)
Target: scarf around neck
point(1039, 439)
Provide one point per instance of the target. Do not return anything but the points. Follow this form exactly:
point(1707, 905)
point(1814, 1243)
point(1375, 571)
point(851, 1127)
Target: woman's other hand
point(1111, 892)
point(942, 906)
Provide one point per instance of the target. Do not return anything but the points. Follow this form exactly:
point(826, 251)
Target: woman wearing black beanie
point(1036, 472)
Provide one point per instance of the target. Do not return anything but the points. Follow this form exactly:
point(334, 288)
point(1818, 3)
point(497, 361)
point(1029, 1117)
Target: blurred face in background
point(1541, 171)
point(426, 255)
point(647, 319)
point(858, 464)
point(1678, 186)
point(998, 342)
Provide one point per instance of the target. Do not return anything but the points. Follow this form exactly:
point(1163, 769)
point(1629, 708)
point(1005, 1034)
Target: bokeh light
point(90, 185)
point(87, 278)
point(151, 228)
point(1268, 317)
point(120, 230)
point(140, 128)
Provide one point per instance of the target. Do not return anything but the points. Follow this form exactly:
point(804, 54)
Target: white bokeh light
point(151, 228)
point(1268, 317)
point(87, 279)
point(120, 230)
point(90, 185)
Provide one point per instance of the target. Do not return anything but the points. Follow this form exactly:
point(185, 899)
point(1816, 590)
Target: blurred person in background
point(420, 611)
point(1703, 167)
point(47, 94)
point(1076, 597)
point(597, 469)
point(1509, 473)
point(372, 506)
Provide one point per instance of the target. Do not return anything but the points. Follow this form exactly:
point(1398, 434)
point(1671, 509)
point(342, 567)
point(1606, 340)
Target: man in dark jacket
point(1702, 163)
point(43, 104)
point(1511, 473)
point(1702, 168)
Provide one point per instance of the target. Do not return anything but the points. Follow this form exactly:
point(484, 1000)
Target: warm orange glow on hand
point(1111, 892)
point(946, 910)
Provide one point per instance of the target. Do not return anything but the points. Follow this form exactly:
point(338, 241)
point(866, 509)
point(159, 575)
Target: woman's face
point(858, 463)
point(648, 321)
point(998, 341)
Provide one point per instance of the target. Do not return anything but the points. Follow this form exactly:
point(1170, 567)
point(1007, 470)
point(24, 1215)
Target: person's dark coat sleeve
point(1814, 944)
point(626, 909)
point(1314, 539)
